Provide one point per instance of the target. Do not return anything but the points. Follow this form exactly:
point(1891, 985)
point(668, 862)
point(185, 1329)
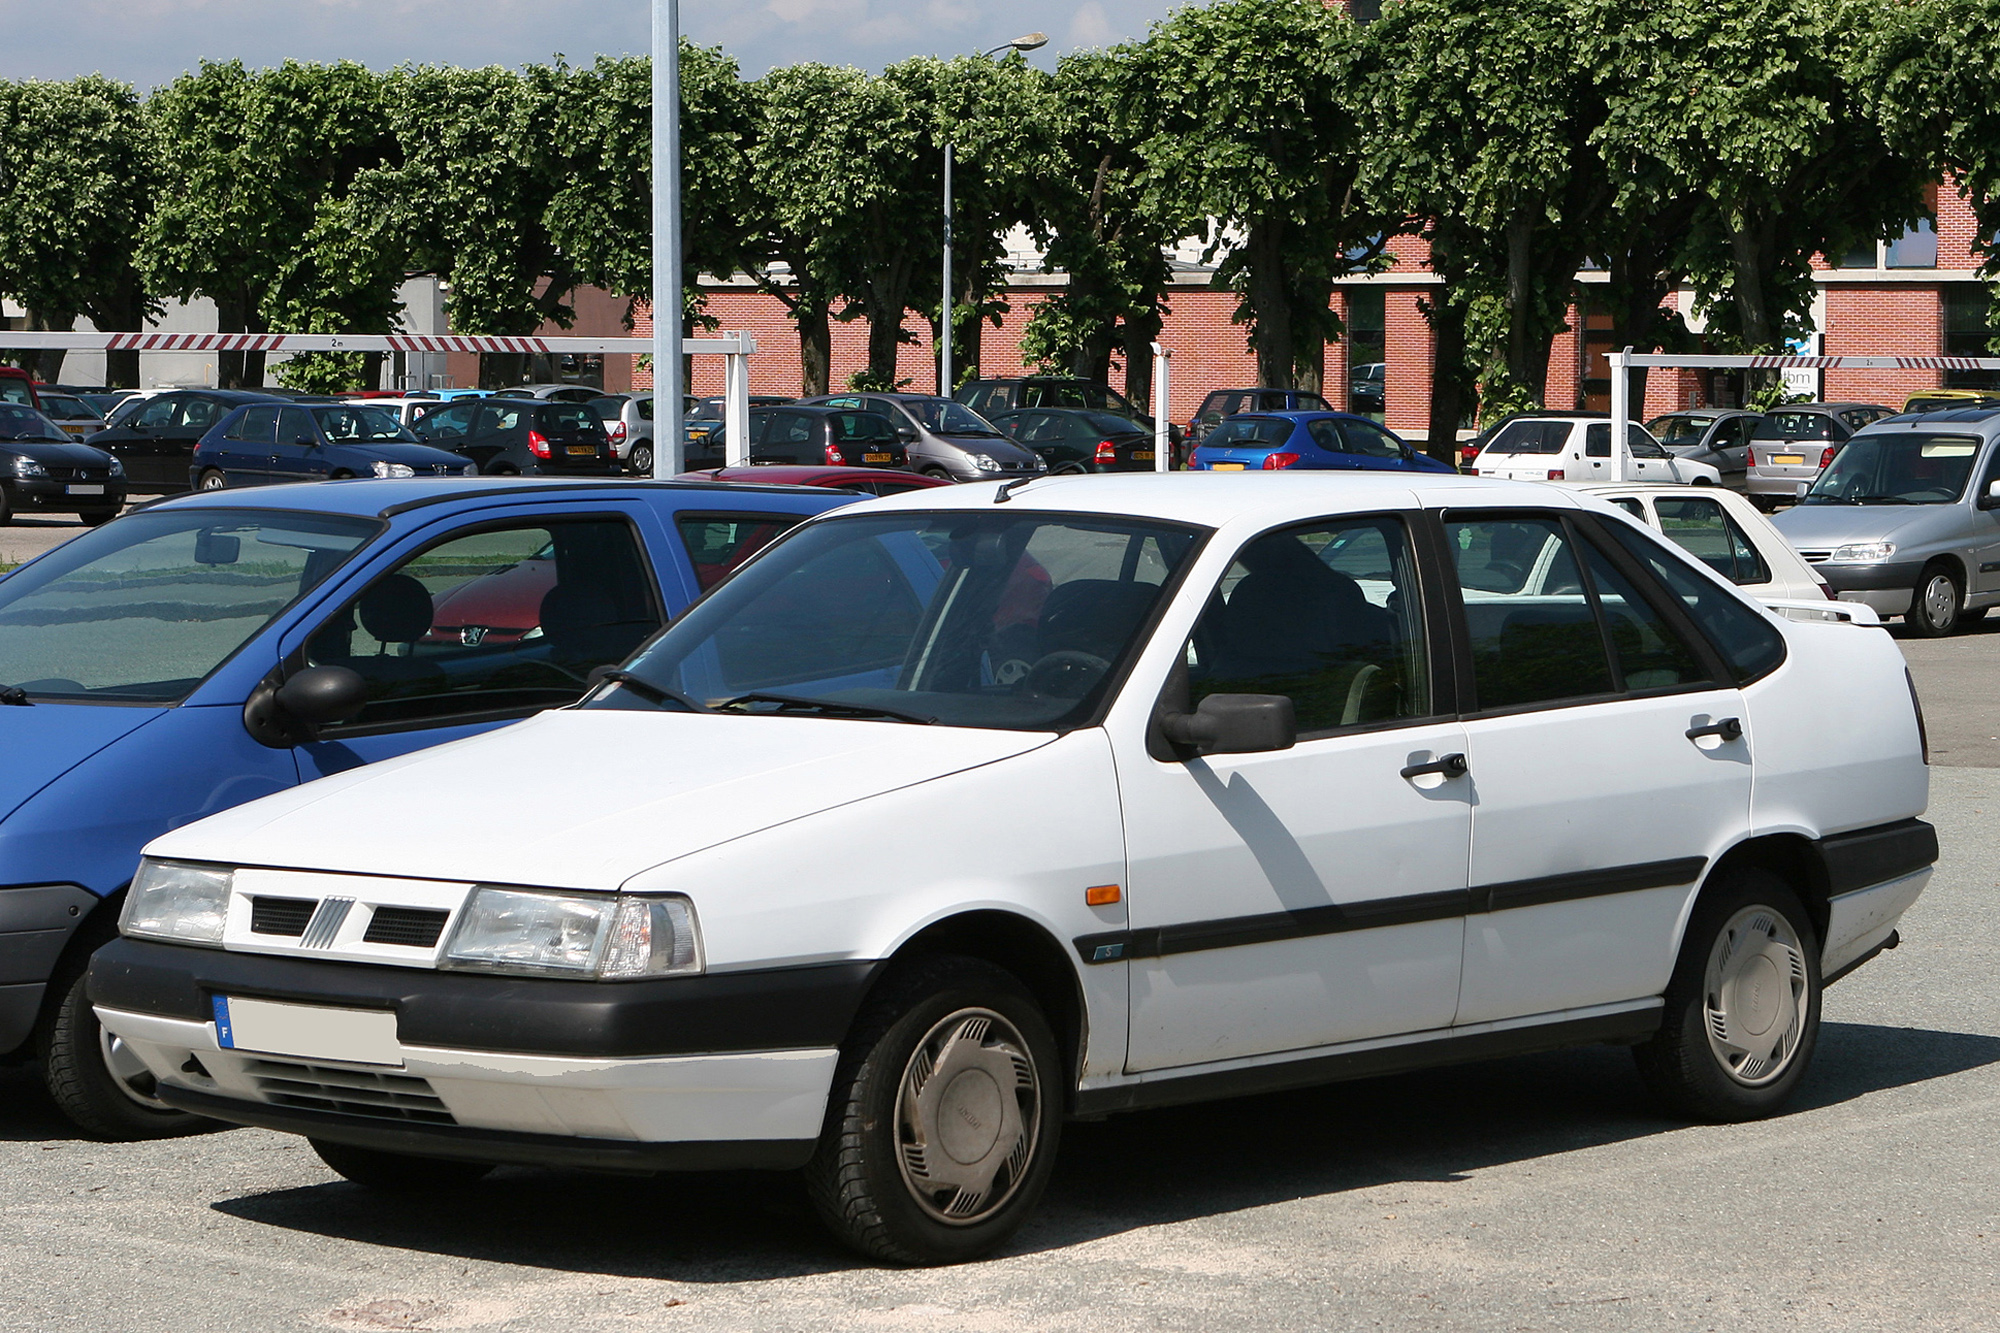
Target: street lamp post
point(668, 447)
point(1030, 42)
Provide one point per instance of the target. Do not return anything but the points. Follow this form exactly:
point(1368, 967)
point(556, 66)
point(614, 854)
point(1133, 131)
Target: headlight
point(1041, 464)
point(28, 467)
point(469, 470)
point(574, 935)
point(1863, 553)
point(984, 462)
point(382, 469)
point(173, 900)
point(117, 466)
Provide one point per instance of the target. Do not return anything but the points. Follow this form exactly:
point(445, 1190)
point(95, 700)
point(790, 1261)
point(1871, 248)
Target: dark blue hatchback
point(1306, 441)
point(272, 442)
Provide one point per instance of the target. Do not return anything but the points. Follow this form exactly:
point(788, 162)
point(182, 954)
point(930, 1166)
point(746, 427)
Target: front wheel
point(1934, 607)
point(1742, 1010)
point(212, 480)
point(104, 1089)
point(396, 1172)
point(97, 518)
point(944, 1116)
point(938, 472)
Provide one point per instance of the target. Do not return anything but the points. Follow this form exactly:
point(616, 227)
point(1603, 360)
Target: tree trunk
point(120, 310)
point(815, 348)
point(1269, 307)
point(1522, 365)
point(46, 365)
point(232, 315)
point(1448, 377)
point(1141, 329)
point(885, 340)
point(502, 370)
point(371, 370)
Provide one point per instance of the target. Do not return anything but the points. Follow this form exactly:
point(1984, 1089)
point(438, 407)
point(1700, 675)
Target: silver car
point(1792, 443)
point(943, 438)
point(1906, 518)
point(1717, 436)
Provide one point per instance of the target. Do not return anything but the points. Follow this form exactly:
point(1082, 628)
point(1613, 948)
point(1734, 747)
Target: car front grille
point(416, 927)
point(56, 472)
point(349, 1092)
point(281, 916)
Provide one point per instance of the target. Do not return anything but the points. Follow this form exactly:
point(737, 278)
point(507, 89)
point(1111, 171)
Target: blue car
point(1306, 441)
point(211, 649)
point(261, 443)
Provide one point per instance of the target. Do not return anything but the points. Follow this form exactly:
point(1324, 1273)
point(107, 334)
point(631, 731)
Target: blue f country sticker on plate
point(223, 1036)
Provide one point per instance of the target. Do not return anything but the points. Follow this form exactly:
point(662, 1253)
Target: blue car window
point(257, 425)
point(1250, 433)
point(142, 610)
point(1364, 437)
point(1327, 436)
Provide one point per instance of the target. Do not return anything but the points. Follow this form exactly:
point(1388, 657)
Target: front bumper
point(1887, 587)
point(36, 494)
point(729, 1068)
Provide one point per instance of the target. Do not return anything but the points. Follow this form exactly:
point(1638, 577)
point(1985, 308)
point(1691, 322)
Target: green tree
point(258, 163)
point(76, 179)
point(1253, 136)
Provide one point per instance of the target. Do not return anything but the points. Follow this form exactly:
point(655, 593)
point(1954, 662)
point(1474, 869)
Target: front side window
point(1678, 430)
point(496, 418)
point(1008, 619)
point(1328, 615)
point(500, 620)
point(143, 610)
point(201, 413)
point(1915, 468)
point(448, 423)
point(258, 425)
point(945, 417)
point(159, 414)
point(1366, 438)
point(1703, 529)
point(359, 425)
point(718, 543)
point(1551, 619)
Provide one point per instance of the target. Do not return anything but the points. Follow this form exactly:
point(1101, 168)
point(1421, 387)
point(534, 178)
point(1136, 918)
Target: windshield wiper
point(830, 706)
point(1882, 500)
point(659, 693)
point(14, 696)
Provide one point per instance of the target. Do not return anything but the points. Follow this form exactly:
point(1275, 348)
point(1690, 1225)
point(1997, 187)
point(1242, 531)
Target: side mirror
point(284, 715)
point(906, 434)
point(1235, 724)
point(1991, 498)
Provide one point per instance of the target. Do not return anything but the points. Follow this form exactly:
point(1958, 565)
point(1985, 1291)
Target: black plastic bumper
point(500, 1146)
point(1870, 578)
point(35, 495)
point(793, 1008)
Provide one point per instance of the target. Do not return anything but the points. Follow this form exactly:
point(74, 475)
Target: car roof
point(1213, 499)
point(379, 497)
point(1824, 407)
point(808, 475)
point(1918, 420)
point(1267, 388)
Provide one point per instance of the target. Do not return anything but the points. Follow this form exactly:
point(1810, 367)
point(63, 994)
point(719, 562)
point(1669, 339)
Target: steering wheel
point(1067, 673)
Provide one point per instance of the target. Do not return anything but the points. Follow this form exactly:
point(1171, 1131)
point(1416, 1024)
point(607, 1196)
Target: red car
point(867, 480)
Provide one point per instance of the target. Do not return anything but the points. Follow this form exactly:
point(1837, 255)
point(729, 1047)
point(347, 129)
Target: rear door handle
point(1729, 728)
point(1449, 765)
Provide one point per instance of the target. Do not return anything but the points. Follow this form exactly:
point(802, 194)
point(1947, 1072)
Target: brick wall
point(1878, 318)
point(1407, 352)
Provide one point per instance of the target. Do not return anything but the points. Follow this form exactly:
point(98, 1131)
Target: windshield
point(942, 416)
point(1678, 430)
point(1014, 620)
point(360, 425)
point(1910, 469)
point(68, 407)
point(25, 423)
point(143, 609)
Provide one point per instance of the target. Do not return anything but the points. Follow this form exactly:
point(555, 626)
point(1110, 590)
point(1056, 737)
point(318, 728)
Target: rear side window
point(1531, 437)
point(1749, 643)
point(14, 390)
point(1794, 426)
point(718, 543)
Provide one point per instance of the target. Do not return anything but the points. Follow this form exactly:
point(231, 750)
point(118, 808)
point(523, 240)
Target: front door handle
point(1448, 765)
point(1729, 728)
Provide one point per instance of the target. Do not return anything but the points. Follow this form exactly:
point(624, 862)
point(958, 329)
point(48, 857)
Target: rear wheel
point(212, 480)
point(935, 471)
point(1934, 607)
point(95, 1080)
point(397, 1172)
point(1742, 1010)
point(641, 460)
point(943, 1121)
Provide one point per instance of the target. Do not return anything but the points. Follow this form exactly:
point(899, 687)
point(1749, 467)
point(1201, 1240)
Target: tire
point(6, 509)
point(640, 463)
point(97, 518)
point(894, 1180)
point(936, 471)
point(212, 480)
point(1723, 1055)
point(397, 1173)
point(78, 1059)
point(1935, 604)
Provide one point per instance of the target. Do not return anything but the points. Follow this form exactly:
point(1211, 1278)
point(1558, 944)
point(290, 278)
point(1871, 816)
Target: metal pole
point(669, 449)
point(1163, 439)
point(736, 402)
point(944, 308)
point(1621, 410)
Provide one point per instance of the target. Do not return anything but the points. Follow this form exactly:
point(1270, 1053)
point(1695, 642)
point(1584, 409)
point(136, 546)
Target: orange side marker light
point(1102, 895)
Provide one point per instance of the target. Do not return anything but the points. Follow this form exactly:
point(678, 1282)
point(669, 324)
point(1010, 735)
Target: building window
point(1966, 333)
point(1366, 351)
point(1915, 248)
point(1861, 256)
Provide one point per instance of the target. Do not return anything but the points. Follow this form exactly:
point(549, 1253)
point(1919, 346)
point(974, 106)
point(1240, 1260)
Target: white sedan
point(957, 814)
point(1576, 447)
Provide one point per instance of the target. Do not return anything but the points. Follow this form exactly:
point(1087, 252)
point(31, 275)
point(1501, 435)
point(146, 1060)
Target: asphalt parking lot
point(1535, 1193)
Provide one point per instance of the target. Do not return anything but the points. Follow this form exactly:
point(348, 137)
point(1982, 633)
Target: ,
point(205, 651)
point(1263, 710)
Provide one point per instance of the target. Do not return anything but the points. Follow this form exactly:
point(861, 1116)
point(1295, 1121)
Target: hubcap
point(128, 1071)
point(1939, 601)
point(1755, 997)
point(967, 1116)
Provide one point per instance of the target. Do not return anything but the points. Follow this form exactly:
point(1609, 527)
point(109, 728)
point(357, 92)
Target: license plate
point(77, 430)
point(1142, 455)
point(307, 1031)
point(84, 490)
point(1225, 467)
point(1788, 460)
point(582, 449)
point(874, 458)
